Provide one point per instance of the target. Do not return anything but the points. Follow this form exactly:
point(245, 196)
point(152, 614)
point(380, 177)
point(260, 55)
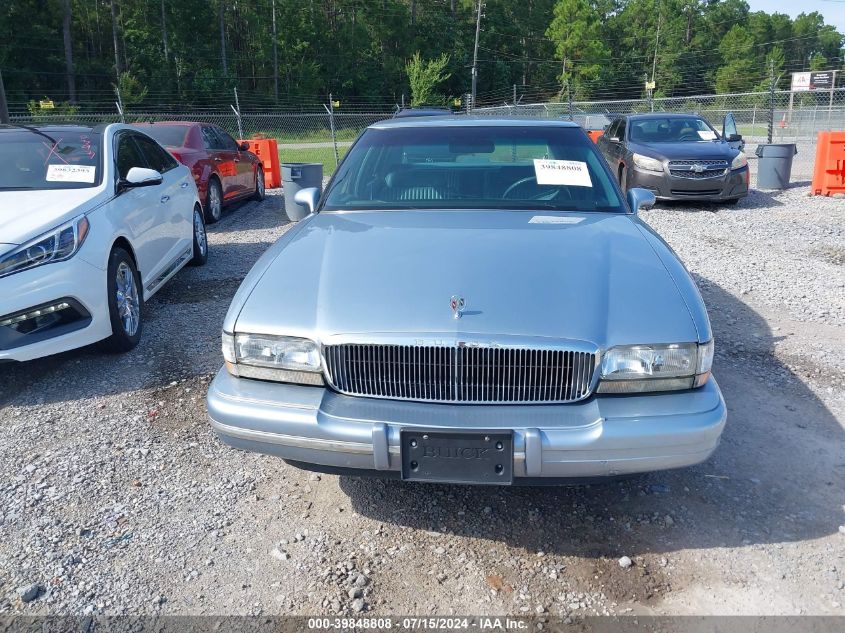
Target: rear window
point(495, 167)
point(51, 159)
point(167, 135)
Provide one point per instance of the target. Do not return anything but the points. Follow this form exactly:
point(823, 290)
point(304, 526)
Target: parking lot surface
point(115, 496)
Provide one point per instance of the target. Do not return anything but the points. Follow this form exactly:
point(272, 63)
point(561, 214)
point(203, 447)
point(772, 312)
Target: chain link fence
point(319, 133)
point(323, 132)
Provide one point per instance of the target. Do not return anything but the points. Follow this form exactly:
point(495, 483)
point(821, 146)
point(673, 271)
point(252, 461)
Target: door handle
point(217, 159)
point(164, 199)
point(184, 185)
point(237, 160)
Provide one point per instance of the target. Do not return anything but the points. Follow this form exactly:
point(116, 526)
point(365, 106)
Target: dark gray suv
point(677, 156)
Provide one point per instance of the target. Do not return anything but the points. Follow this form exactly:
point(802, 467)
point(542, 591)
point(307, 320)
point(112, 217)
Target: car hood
point(712, 150)
point(27, 214)
point(591, 277)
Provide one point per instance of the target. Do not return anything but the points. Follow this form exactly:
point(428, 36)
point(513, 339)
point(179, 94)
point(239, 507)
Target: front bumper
point(664, 186)
point(601, 436)
point(75, 279)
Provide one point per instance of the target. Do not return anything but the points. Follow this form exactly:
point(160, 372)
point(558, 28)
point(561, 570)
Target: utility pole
point(275, 55)
point(222, 8)
point(68, 41)
point(4, 108)
point(475, 56)
point(164, 41)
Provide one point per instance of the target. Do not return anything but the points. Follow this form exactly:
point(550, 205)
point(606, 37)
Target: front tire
point(260, 191)
point(200, 240)
point(123, 287)
point(213, 201)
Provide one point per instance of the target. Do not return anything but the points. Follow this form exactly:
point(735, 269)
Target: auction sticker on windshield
point(562, 172)
point(71, 173)
point(707, 135)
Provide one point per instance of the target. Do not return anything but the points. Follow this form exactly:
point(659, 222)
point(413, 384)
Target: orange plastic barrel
point(829, 171)
point(267, 150)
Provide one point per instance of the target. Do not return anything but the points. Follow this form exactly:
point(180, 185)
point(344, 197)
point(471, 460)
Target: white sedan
point(93, 221)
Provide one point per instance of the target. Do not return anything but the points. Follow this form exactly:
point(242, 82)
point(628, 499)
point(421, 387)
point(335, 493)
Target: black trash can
point(775, 165)
point(296, 176)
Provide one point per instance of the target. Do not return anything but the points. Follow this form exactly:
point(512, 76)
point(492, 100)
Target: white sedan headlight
point(739, 161)
point(269, 357)
point(648, 163)
point(56, 245)
point(643, 368)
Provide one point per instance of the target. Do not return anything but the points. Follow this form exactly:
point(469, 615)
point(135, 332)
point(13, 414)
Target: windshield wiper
point(36, 131)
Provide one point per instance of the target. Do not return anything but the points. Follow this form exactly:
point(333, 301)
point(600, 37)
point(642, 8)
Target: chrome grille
point(698, 169)
point(460, 374)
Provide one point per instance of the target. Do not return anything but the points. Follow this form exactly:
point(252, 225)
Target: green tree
point(425, 77)
point(576, 33)
point(735, 48)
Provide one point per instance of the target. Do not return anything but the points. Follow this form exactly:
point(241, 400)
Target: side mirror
point(140, 177)
point(734, 138)
point(613, 139)
point(308, 198)
point(640, 199)
point(243, 147)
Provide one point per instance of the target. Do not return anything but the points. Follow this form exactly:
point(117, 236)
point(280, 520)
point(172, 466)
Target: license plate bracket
point(460, 457)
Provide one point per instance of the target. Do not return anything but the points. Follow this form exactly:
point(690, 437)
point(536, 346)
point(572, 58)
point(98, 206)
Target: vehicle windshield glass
point(474, 167)
point(49, 159)
point(166, 135)
point(671, 130)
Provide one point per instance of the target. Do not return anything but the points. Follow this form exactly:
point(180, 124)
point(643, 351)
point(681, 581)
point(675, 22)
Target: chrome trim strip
point(170, 270)
point(341, 446)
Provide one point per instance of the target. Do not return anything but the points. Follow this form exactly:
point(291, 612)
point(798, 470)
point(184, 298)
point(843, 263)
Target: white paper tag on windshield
point(707, 135)
point(71, 173)
point(555, 219)
point(562, 172)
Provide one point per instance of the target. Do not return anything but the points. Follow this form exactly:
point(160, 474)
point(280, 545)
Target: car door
point(731, 134)
point(222, 161)
point(174, 235)
point(613, 147)
point(242, 163)
point(137, 210)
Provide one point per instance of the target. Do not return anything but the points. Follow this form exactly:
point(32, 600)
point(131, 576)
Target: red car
point(223, 170)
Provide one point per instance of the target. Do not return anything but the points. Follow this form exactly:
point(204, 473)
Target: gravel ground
point(115, 497)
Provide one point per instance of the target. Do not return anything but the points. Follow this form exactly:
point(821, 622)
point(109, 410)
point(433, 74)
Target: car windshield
point(671, 130)
point(473, 167)
point(166, 135)
point(49, 159)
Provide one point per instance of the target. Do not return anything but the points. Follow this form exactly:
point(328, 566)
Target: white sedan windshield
point(50, 159)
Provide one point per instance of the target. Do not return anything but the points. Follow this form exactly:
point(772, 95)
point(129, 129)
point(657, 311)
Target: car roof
point(183, 123)
point(663, 115)
point(422, 111)
point(468, 121)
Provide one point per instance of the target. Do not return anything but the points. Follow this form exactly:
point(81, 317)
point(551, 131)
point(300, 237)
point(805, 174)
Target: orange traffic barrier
point(829, 172)
point(267, 149)
point(594, 135)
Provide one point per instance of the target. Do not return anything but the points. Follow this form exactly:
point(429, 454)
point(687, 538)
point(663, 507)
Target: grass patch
point(324, 155)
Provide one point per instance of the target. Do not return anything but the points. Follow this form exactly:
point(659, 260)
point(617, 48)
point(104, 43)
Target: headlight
point(55, 246)
point(739, 162)
point(268, 357)
point(648, 163)
point(642, 368)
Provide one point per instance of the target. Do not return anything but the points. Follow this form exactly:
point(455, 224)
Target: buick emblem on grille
point(457, 303)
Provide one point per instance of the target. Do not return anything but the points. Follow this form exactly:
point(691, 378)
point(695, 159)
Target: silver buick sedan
point(470, 301)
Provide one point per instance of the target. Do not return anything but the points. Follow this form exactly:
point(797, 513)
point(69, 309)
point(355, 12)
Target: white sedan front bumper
point(601, 436)
point(47, 285)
